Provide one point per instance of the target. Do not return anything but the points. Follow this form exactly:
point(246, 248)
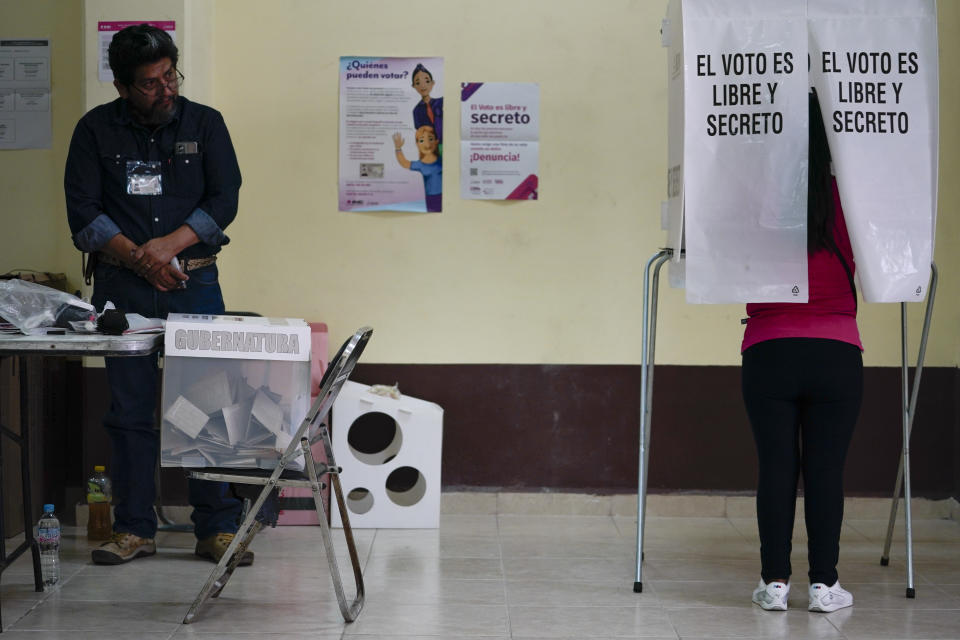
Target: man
point(151, 177)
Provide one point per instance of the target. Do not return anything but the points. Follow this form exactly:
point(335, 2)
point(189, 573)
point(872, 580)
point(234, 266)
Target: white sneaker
point(772, 597)
point(826, 599)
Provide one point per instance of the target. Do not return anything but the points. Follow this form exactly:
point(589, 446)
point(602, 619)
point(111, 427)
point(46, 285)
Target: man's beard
point(157, 114)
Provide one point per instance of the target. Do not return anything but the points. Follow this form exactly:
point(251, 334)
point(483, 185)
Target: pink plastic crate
point(296, 505)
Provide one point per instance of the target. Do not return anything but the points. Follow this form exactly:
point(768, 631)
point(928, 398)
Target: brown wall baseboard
point(574, 428)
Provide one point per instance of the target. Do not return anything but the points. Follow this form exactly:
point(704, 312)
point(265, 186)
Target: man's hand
point(150, 258)
point(167, 278)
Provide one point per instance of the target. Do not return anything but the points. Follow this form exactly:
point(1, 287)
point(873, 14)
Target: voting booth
point(739, 73)
point(235, 389)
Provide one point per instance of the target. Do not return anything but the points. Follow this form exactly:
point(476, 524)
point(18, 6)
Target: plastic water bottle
point(48, 537)
point(98, 502)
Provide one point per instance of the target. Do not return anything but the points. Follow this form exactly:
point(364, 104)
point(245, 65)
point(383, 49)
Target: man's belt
point(186, 264)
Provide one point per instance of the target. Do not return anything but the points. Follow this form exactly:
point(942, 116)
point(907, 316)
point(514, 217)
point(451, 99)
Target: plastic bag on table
point(29, 306)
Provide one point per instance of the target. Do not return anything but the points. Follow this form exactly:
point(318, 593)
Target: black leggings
point(802, 396)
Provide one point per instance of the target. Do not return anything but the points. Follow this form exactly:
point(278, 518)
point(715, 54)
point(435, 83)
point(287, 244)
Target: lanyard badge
point(144, 178)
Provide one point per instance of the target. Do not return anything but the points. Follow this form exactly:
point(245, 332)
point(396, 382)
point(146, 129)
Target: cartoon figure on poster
point(429, 164)
point(384, 104)
point(429, 111)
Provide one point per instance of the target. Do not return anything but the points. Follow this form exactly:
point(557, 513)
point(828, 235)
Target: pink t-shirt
point(831, 312)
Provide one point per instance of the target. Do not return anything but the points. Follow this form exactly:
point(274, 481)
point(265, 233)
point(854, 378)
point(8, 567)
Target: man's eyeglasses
point(153, 87)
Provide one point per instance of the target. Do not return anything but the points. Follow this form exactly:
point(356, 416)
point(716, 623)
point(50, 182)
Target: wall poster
point(499, 140)
point(391, 134)
point(25, 94)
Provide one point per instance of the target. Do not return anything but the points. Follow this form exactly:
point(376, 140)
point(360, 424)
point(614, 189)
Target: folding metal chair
point(337, 373)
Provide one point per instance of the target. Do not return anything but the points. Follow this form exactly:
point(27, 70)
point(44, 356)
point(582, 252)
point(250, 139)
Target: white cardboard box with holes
point(389, 449)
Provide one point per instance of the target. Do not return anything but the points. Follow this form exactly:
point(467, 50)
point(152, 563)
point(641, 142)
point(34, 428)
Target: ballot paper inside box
point(235, 390)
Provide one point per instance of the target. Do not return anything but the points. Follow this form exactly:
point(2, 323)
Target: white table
point(58, 346)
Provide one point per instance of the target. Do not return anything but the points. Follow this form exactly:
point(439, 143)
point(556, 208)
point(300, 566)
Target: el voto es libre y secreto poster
point(499, 140)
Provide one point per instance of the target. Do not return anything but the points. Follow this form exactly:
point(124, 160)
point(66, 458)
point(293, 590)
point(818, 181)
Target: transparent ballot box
point(235, 389)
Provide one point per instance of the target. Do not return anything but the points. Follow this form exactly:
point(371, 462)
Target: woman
point(802, 385)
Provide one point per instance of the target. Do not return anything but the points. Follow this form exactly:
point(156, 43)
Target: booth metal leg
point(649, 333)
point(904, 389)
point(909, 411)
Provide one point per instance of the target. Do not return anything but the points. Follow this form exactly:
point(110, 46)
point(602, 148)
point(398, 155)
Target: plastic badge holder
point(144, 178)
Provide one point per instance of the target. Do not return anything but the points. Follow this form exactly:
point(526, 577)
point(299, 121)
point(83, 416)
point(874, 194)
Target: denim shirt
point(200, 188)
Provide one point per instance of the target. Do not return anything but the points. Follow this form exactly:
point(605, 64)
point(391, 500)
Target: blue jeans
point(131, 419)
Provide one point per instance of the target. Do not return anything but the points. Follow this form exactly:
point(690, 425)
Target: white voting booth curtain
point(745, 150)
point(737, 174)
point(874, 64)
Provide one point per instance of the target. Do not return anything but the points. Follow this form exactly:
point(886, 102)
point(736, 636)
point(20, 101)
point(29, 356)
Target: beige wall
point(194, 37)
point(552, 281)
point(548, 281)
point(947, 319)
point(33, 225)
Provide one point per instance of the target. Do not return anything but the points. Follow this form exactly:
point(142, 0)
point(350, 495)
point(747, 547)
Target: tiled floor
point(507, 576)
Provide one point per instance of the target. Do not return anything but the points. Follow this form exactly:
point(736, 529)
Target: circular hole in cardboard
point(406, 486)
point(375, 438)
point(359, 500)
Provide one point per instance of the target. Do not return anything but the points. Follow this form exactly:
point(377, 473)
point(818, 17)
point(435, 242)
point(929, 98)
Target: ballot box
point(235, 390)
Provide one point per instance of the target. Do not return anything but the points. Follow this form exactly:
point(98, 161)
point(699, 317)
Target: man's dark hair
point(138, 45)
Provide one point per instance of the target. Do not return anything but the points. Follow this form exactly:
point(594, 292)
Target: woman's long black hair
point(820, 211)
